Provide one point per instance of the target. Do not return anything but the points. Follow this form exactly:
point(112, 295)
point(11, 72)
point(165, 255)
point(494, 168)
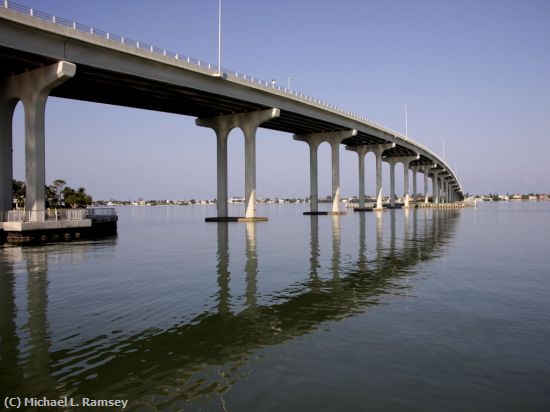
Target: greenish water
point(416, 310)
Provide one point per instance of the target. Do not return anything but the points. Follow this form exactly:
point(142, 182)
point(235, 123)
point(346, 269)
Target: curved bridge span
point(45, 55)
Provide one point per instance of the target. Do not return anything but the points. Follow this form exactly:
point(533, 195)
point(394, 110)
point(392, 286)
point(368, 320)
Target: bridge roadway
point(44, 55)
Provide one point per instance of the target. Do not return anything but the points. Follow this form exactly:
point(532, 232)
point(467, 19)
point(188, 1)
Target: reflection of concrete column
point(362, 243)
point(36, 364)
point(379, 240)
point(314, 252)
point(251, 268)
point(392, 232)
point(335, 246)
point(32, 88)
point(9, 341)
point(406, 237)
point(248, 123)
point(224, 294)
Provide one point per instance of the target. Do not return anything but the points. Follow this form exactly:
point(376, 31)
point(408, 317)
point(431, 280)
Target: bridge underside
point(134, 91)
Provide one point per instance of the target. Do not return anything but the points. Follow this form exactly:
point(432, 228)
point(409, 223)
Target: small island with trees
point(69, 216)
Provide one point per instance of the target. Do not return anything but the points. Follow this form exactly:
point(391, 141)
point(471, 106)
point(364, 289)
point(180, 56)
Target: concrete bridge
point(44, 55)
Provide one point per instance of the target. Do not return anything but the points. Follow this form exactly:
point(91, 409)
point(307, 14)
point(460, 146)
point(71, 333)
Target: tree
point(56, 192)
point(77, 198)
point(18, 193)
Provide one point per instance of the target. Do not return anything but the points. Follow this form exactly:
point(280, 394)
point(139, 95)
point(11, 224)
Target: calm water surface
point(416, 310)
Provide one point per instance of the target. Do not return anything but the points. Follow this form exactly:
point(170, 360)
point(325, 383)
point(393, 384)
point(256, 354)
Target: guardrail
point(56, 214)
point(11, 5)
point(213, 68)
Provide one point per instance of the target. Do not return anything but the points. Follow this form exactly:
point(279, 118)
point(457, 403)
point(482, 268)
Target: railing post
point(6, 4)
point(31, 12)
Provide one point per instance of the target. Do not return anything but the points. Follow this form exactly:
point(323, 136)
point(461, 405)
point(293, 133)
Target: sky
point(475, 76)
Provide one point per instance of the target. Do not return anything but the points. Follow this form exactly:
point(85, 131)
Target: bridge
point(45, 55)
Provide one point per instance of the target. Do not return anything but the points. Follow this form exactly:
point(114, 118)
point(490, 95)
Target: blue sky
point(475, 76)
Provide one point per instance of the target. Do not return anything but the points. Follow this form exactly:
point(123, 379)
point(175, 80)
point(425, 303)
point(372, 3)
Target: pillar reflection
point(314, 253)
point(224, 275)
point(335, 246)
point(362, 262)
point(8, 328)
point(251, 267)
point(36, 364)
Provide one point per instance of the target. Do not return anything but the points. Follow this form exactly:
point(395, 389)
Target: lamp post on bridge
point(406, 123)
point(219, 38)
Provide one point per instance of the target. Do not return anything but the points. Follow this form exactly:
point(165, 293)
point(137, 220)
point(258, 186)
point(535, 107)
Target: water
point(416, 310)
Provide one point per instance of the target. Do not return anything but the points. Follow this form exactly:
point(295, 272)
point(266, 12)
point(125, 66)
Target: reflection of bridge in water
point(173, 361)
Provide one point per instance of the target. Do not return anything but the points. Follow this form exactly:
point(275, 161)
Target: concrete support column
point(441, 180)
point(361, 153)
point(392, 180)
point(378, 157)
point(334, 139)
point(425, 170)
point(414, 191)
point(222, 126)
point(335, 150)
point(313, 144)
point(435, 186)
point(378, 150)
point(406, 160)
point(32, 88)
point(7, 107)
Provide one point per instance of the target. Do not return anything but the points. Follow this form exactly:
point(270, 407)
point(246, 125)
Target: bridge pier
point(32, 88)
point(435, 184)
point(361, 151)
point(406, 160)
point(414, 169)
point(314, 140)
point(425, 170)
point(222, 126)
point(392, 163)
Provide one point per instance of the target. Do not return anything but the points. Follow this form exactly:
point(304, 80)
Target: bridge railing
point(11, 5)
point(8, 4)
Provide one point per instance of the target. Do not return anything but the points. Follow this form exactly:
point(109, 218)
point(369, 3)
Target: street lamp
point(219, 37)
point(288, 82)
point(406, 124)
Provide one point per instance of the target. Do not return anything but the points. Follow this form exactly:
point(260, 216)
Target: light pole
point(288, 83)
point(219, 37)
point(406, 123)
